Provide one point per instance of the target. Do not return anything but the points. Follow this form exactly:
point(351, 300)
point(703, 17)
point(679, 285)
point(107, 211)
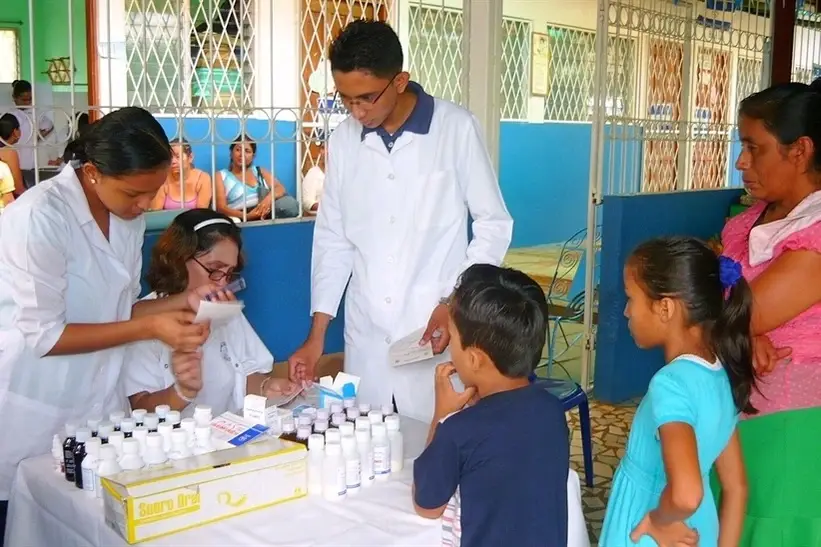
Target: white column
point(112, 69)
point(482, 67)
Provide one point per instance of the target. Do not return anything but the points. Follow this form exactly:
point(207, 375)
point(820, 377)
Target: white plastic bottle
point(90, 464)
point(364, 408)
point(316, 461)
point(387, 410)
point(188, 425)
point(333, 436)
point(104, 430)
point(353, 465)
point(131, 460)
point(381, 452)
point(116, 440)
point(375, 416)
point(154, 453)
point(174, 418)
point(127, 426)
point(94, 424)
point(336, 408)
point(397, 443)
point(139, 434)
point(179, 445)
point(203, 415)
point(165, 429)
point(334, 486)
point(363, 423)
point(138, 414)
point(346, 429)
point(162, 411)
point(323, 415)
point(57, 454)
point(116, 418)
point(151, 421)
point(349, 402)
point(363, 445)
point(107, 467)
point(202, 436)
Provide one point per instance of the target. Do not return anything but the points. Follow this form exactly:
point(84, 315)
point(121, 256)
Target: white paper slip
point(407, 350)
point(218, 313)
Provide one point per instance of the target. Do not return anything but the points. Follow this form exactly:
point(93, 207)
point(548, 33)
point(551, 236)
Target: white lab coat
point(312, 184)
point(56, 268)
point(396, 225)
point(29, 138)
point(231, 353)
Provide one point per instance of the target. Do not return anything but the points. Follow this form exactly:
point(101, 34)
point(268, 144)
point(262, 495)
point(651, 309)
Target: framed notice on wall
point(540, 65)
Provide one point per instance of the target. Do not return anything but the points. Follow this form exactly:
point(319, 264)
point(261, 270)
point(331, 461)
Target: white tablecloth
point(47, 511)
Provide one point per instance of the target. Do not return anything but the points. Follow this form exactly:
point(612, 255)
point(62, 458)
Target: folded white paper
point(407, 350)
point(218, 313)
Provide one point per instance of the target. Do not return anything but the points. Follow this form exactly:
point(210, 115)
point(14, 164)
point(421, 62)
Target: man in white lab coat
point(404, 173)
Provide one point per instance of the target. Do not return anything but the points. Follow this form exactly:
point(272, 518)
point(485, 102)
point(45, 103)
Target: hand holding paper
point(218, 313)
point(408, 350)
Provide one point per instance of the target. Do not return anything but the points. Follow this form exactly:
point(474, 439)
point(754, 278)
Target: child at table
point(696, 306)
point(508, 453)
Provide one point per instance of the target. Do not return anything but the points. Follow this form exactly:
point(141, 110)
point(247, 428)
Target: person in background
point(10, 136)
point(405, 172)
point(777, 241)
point(696, 307)
point(200, 247)
point(70, 261)
point(186, 187)
point(21, 94)
point(247, 187)
point(507, 454)
point(6, 185)
point(313, 182)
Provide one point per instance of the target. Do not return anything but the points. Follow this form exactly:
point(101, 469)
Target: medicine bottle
point(104, 430)
point(83, 435)
point(188, 425)
point(90, 463)
point(138, 415)
point(107, 467)
point(337, 408)
point(364, 408)
point(203, 415)
point(116, 417)
point(397, 443)
point(165, 429)
point(127, 427)
point(348, 402)
point(352, 414)
point(174, 418)
point(353, 465)
point(154, 453)
point(320, 426)
point(305, 420)
point(288, 431)
point(323, 415)
point(68, 451)
point(363, 423)
point(179, 445)
point(310, 411)
point(57, 454)
point(337, 419)
point(202, 442)
point(334, 485)
point(93, 424)
point(333, 436)
point(316, 461)
point(363, 445)
point(139, 435)
point(387, 410)
point(161, 411)
point(381, 452)
point(302, 434)
point(151, 421)
point(131, 460)
point(346, 429)
point(375, 417)
point(116, 440)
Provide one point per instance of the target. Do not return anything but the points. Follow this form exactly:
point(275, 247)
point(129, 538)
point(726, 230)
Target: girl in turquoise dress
point(696, 306)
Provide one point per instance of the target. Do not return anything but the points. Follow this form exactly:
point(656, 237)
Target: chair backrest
point(567, 266)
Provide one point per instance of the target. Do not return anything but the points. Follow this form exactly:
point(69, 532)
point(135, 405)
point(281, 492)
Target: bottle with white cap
point(104, 430)
point(363, 445)
point(353, 465)
point(349, 402)
point(139, 434)
point(381, 452)
point(364, 408)
point(131, 460)
point(116, 440)
point(165, 429)
point(304, 420)
point(320, 426)
point(337, 419)
point(302, 434)
point(323, 414)
point(363, 423)
point(346, 429)
point(93, 424)
point(316, 461)
point(387, 410)
point(397, 443)
point(188, 425)
point(107, 467)
point(334, 484)
point(83, 435)
point(154, 453)
point(116, 417)
point(174, 418)
point(333, 436)
point(151, 421)
point(202, 436)
point(127, 427)
point(337, 408)
point(162, 411)
point(375, 416)
point(90, 464)
point(352, 413)
point(203, 415)
point(138, 415)
point(179, 445)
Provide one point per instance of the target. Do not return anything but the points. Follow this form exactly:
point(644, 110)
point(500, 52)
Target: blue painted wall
point(622, 370)
point(278, 273)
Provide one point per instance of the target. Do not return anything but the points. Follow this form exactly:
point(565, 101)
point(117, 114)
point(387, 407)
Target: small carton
point(229, 430)
point(147, 504)
point(256, 410)
point(337, 389)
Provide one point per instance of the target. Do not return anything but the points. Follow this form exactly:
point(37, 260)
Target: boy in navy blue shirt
point(507, 453)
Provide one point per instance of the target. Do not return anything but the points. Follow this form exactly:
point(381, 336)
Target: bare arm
point(78, 338)
point(12, 159)
point(276, 187)
point(167, 396)
point(222, 201)
point(158, 202)
point(684, 491)
point(143, 308)
point(204, 191)
point(788, 287)
point(733, 503)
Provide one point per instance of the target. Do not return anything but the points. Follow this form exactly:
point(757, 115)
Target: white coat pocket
point(438, 202)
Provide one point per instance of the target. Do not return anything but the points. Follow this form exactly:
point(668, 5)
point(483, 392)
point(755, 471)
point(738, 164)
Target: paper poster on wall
point(540, 65)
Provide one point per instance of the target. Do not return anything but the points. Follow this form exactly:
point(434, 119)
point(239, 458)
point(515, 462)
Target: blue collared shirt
point(418, 122)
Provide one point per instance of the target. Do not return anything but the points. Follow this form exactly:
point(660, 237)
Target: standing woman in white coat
point(70, 261)
point(404, 173)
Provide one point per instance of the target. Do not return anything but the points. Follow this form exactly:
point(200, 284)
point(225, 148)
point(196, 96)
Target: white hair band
point(210, 222)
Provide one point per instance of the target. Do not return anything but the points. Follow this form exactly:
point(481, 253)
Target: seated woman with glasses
point(200, 247)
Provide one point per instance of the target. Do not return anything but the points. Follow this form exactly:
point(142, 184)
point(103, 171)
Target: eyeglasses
point(218, 275)
point(365, 103)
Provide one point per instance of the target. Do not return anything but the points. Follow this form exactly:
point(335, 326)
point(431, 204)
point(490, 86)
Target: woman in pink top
point(194, 192)
point(777, 243)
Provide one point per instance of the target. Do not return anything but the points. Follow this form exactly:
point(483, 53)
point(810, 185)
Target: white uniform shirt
point(312, 185)
point(396, 224)
point(231, 353)
point(57, 268)
point(28, 138)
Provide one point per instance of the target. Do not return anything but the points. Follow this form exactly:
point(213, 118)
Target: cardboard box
point(146, 504)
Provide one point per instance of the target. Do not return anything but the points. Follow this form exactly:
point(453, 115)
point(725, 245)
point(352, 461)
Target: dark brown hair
point(179, 243)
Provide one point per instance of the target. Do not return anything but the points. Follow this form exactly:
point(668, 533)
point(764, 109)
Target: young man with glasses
point(404, 173)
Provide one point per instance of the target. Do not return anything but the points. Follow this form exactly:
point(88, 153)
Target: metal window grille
point(748, 78)
point(515, 68)
point(435, 50)
point(10, 53)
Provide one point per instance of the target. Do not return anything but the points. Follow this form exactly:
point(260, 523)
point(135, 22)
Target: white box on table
point(150, 503)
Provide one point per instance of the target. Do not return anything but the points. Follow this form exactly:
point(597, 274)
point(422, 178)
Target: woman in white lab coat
point(31, 133)
point(199, 247)
point(70, 261)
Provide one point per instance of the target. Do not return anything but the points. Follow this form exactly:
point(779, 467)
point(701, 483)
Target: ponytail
point(75, 151)
point(731, 334)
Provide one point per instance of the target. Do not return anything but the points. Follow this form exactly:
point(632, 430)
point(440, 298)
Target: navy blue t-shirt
point(509, 455)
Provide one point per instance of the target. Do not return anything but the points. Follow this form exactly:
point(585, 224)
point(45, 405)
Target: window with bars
point(515, 68)
point(748, 78)
point(195, 53)
point(10, 53)
point(572, 69)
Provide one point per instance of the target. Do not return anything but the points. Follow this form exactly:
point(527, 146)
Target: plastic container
point(174, 418)
point(338, 419)
point(165, 429)
point(381, 452)
point(104, 430)
point(320, 426)
point(131, 460)
point(387, 410)
point(316, 459)
point(179, 445)
point(337, 408)
point(107, 467)
point(116, 440)
point(346, 429)
point(323, 414)
point(139, 435)
point(364, 408)
point(304, 420)
point(334, 484)
point(203, 415)
point(375, 416)
point(151, 421)
point(162, 411)
point(188, 425)
point(349, 402)
point(154, 453)
point(353, 465)
point(83, 435)
point(127, 426)
point(93, 424)
point(302, 434)
point(333, 436)
point(138, 414)
point(288, 430)
point(351, 414)
point(397, 443)
point(363, 445)
point(68, 451)
point(363, 423)
point(90, 464)
point(202, 440)
point(116, 418)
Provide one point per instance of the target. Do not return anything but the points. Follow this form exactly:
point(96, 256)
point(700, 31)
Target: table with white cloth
point(47, 511)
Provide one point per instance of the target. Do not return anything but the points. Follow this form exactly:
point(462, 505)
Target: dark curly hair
point(167, 274)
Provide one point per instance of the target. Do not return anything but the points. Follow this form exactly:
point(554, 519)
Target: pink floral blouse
point(796, 383)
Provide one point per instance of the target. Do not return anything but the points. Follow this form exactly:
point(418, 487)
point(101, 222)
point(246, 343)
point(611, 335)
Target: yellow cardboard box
point(147, 504)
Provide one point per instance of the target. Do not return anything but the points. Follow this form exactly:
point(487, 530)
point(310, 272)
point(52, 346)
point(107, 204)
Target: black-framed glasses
point(218, 275)
point(364, 103)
